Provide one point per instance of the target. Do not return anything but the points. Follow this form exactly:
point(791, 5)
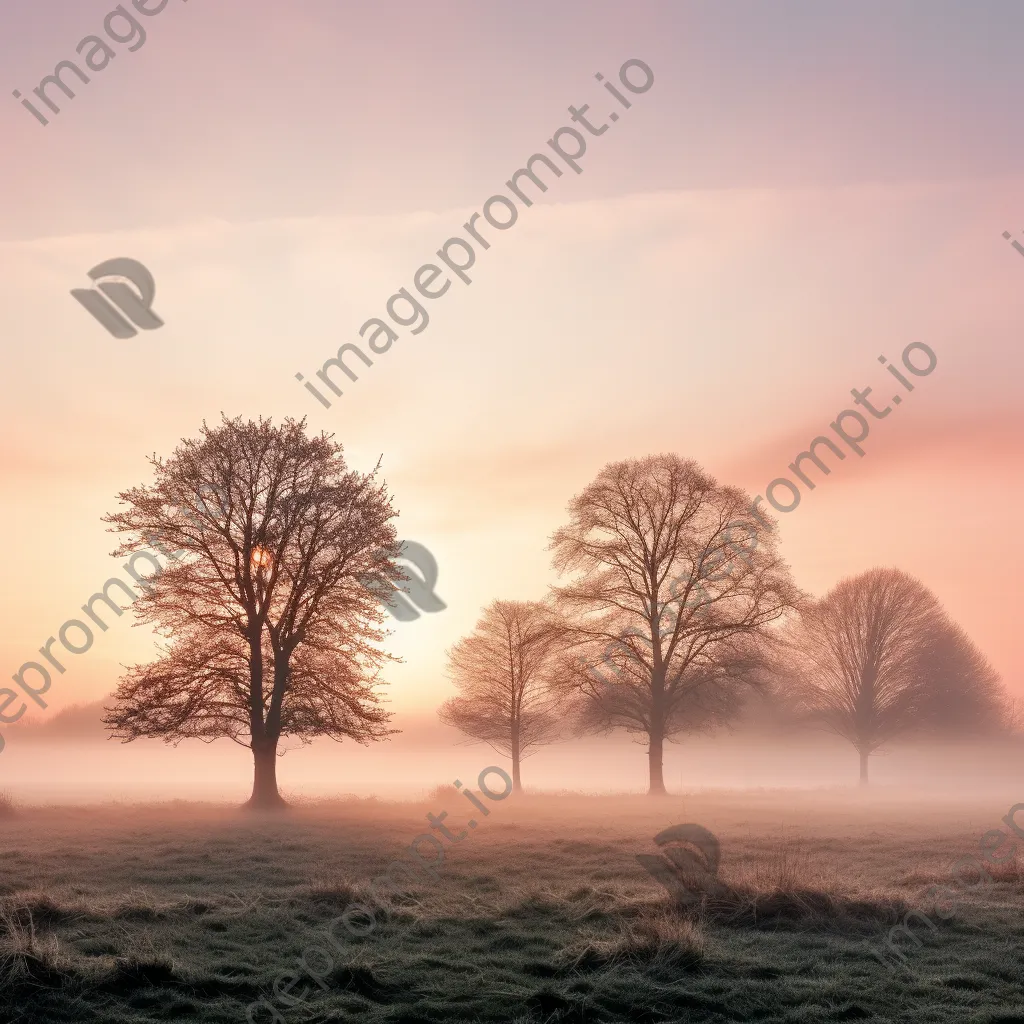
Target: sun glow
point(260, 558)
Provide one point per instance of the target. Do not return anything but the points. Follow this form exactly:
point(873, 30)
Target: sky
point(803, 189)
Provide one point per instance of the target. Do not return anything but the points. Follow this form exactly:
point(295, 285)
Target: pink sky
point(741, 247)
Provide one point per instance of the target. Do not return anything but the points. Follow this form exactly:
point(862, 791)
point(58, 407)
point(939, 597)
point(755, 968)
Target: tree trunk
point(517, 785)
point(864, 767)
point(264, 783)
point(654, 757)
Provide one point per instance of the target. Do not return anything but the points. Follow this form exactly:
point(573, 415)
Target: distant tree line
point(668, 625)
point(672, 612)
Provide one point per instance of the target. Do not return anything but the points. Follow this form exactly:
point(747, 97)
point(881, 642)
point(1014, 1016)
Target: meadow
point(189, 911)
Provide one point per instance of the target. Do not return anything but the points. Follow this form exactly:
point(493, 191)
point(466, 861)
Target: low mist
point(70, 759)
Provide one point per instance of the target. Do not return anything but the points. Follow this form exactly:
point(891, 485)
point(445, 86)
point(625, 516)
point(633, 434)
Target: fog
point(78, 770)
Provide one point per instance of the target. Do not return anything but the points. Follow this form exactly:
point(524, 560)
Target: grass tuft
point(663, 943)
point(445, 795)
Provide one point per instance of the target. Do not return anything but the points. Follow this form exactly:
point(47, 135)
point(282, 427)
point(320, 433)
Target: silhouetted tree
point(962, 692)
point(503, 673)
point(707, 694)
point(676, 587)
point(274, 628)
point(878, 657)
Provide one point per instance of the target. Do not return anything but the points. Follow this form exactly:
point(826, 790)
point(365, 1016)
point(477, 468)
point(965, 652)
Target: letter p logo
point(687, 875)
point(402, 602)
point(133, 303)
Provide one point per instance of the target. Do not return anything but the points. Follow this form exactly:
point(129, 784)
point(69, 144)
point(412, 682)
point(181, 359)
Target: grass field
point(191, 911)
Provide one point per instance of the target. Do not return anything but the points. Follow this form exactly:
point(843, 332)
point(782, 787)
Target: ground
point(541, 914)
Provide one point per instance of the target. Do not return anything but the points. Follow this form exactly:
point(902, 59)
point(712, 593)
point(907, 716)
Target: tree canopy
point(674, 589)
point(503, 673)
point(273, 629)
point(877, 657)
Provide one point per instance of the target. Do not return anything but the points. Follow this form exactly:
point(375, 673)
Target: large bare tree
point(503, 672)
point(878, 657)
point(675, 587)
point(275, 632)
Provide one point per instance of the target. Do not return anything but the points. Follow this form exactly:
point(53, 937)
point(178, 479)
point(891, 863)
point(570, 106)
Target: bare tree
point(676, 586)
point(200, 689)
point(878, 657)
point(709, 693)
point(275, 631)
point(503, 672)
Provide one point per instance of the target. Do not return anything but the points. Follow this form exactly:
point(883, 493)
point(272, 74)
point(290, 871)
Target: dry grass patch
point(786, 884)
point(662, 942)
